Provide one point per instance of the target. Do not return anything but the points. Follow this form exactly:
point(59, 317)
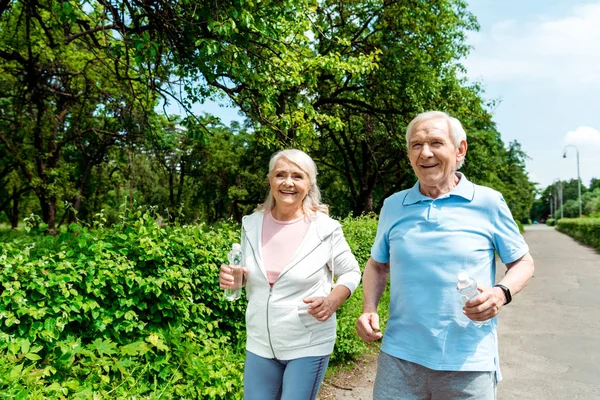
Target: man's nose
point(426, 151)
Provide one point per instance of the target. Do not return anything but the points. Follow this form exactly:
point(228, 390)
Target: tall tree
point(65, 102)
point(419, 44)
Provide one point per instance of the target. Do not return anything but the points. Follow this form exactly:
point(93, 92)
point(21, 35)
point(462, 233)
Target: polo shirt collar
point(464, 189)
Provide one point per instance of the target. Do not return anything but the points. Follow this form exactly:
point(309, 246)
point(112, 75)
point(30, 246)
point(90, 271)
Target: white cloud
point(584, 137)
point(564, 51)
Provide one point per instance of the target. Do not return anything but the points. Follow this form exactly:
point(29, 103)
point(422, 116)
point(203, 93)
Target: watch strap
point(506, 292)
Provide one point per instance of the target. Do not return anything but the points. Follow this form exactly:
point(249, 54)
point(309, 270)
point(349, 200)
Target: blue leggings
point(271, 379)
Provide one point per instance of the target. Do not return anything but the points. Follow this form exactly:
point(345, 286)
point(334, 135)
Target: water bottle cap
point(236, 247)
point(463, 277)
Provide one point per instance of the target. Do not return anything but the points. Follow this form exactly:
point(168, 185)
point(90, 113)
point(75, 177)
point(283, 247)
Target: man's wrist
point(505, 292)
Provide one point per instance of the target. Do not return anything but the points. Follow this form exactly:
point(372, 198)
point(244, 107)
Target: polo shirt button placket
point(433, 211)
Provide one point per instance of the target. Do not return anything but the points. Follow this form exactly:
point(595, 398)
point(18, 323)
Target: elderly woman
point(292, 250)
point(433, 347)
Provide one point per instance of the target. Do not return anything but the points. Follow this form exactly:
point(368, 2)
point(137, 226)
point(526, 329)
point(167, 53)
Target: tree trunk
point(171, 190)
point(76, 201)
point(14, 218)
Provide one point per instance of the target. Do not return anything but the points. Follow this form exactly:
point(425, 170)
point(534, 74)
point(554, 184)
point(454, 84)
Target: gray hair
point(455, 128)
point(312, 202)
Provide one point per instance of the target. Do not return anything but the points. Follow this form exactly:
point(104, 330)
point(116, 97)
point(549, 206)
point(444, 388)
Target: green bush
point(550, 222)
point(133, 310)
point(119, 289)
point(586, 230)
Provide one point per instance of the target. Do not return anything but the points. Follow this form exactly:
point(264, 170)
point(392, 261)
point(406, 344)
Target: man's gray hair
point(455, 129)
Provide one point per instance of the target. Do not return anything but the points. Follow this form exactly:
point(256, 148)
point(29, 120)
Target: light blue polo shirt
point(428, 242)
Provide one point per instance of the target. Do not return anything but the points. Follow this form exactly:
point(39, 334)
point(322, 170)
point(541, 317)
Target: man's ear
point(461, 151)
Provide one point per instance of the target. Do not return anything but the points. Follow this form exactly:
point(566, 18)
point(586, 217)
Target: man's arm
point(518, 275)
point(488, 304)
point(375, 280)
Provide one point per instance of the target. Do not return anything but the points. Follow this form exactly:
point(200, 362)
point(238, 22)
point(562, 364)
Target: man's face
point(432, 153)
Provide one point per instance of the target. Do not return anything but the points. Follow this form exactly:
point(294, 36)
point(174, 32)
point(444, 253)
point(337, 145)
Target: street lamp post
point(578, 178)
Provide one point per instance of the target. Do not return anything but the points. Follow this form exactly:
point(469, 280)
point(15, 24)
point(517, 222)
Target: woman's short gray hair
point(455, 128)
point(312, 201)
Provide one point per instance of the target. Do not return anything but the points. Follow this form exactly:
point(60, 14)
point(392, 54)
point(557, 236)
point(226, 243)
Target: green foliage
point(586, 230)
point(360, 234)
point(133, 310)
point(550, 222)
point(79, 304)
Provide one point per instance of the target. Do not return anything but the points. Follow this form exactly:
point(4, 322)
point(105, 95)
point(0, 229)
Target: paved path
point(550, 335)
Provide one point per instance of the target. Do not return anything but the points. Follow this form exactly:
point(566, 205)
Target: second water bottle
point(467, 287)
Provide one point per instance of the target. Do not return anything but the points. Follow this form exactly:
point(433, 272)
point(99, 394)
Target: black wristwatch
point(506, 292)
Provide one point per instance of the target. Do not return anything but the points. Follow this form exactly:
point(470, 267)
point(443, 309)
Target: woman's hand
point(226, 279)
point(322, 308)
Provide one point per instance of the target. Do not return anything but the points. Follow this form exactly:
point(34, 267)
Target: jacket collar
point(321, 227)
point(464, 189)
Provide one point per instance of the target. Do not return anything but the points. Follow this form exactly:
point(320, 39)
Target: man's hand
point(486, 305)
point(367, 327)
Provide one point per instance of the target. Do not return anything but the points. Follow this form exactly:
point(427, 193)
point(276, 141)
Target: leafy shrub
point(134, 310)
point(550, 222)
point(586, 230)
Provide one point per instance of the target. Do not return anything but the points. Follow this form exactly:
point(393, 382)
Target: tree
point(419, 45)
point(65, 102)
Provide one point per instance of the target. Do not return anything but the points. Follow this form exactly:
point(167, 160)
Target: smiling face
point(289, 185)
point(434, 157)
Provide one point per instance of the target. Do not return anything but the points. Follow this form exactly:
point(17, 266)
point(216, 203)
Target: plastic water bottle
point(235, 262)
point(467, 287)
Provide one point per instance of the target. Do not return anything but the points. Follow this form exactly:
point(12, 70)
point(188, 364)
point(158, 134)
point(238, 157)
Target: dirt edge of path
point(353, 380)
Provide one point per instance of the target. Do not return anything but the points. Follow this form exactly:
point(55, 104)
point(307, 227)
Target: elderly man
point(444, 225)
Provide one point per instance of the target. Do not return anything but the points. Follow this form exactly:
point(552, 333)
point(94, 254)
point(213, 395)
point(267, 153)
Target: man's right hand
point(367, 327)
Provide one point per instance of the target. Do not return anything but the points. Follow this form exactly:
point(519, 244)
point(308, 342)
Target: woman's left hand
point(322, 308)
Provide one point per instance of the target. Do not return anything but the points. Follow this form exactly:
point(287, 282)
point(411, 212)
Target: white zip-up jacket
point(278, 324)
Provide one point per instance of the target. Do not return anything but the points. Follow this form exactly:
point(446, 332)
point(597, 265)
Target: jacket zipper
point(268, 329)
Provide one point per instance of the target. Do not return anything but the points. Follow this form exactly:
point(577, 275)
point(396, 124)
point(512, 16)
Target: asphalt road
point(549, 335)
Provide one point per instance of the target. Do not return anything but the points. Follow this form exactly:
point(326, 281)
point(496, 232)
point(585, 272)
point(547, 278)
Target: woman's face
point(289, 184)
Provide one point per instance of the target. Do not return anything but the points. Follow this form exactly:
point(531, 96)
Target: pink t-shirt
point(280, 239)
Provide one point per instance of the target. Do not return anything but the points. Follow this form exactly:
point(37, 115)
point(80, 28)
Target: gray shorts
point(403, 380)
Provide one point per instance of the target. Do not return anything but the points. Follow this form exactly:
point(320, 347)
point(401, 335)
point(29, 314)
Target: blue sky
point(541, 60)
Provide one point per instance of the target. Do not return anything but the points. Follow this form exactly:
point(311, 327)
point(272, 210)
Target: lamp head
point(565, 154)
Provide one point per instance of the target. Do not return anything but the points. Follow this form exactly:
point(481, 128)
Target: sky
point(540, 59)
